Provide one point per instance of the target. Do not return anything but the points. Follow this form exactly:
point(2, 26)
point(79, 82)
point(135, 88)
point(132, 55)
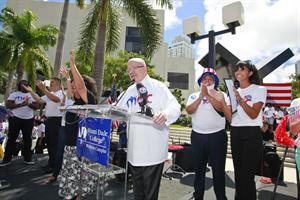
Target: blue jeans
point(59, 152)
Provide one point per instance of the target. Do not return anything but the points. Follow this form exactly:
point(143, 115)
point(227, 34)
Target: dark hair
point(90, 84)
point(22, 82)
point(57, 80)
point(254, 78)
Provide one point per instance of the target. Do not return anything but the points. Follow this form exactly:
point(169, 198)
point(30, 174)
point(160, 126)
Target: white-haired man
point(148, 144)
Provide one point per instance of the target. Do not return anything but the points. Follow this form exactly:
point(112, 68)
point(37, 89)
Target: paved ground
point(28, 183)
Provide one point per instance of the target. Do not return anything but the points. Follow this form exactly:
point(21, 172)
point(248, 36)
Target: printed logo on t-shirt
point(205, 101)
point(246, 99)
point(193, 97)
point(133, 100)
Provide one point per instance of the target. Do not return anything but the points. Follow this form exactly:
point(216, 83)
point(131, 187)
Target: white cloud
point(270, 27)
point(171, 19)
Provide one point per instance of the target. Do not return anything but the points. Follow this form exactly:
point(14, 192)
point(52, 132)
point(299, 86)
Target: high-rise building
point(297, 66)
point(181, 47)
point(2, 5)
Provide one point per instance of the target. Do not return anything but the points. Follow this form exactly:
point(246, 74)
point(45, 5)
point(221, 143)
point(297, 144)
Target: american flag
point(279, 94)
point(113, 96)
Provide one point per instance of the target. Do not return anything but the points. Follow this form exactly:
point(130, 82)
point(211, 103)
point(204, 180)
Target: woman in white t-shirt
point(246, 138)
point(208, 138)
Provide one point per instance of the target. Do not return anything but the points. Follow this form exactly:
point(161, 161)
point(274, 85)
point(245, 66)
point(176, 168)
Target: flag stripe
point(279, 88)
point(277, 84)
point(279, 98)
point(279, 93)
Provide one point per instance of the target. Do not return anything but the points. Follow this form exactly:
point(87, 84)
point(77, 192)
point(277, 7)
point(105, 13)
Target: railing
point(184, 136)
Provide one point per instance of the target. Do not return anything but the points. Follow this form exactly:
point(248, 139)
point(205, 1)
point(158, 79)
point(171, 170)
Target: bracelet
point(240, 100)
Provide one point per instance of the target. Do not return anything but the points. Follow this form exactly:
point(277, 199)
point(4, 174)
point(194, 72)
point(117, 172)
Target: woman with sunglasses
point(246, 139)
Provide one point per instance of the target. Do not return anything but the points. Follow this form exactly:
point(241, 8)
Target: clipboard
point(230, 85)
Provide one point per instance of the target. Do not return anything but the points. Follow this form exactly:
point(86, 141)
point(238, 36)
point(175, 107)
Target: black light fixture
point(232, 15)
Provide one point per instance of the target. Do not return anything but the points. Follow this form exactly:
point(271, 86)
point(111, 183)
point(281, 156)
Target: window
point(133, 41)
point(178, 80)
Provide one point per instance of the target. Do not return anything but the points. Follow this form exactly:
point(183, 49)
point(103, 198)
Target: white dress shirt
point(148, 142)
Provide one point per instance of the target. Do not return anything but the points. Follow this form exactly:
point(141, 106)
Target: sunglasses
point(242, 64)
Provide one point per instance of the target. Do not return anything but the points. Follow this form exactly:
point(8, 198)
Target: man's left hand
point(159, 118)
point(41, 85)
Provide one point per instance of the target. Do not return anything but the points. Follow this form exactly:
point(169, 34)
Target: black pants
point(52, 127)
point(246, 148)
point(211, 146)
point(60, 151)
point(146, 181)
point(15, 125)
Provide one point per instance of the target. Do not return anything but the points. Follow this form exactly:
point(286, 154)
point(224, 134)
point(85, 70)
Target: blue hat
point(211, 72)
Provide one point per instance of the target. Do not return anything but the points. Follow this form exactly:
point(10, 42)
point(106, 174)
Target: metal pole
point(212, 49)
point(280, 170)
point(297, 178)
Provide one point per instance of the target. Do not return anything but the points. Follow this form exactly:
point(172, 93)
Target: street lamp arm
point(195, 37)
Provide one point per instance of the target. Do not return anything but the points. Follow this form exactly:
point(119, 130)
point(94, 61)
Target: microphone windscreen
point(141, 89)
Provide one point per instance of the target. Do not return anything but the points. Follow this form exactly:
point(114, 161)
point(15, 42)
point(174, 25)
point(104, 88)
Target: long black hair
point(90, 84)
point(254, 78)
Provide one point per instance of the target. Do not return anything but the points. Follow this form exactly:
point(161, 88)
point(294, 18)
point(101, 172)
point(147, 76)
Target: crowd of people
point(209, 108)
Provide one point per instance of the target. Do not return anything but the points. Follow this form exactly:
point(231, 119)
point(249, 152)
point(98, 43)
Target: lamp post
point(233, 16)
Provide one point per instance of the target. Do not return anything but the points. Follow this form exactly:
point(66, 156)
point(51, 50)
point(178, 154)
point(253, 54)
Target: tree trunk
point(98, 67)
point(9, 84)
point(61, 38)
point(20, 72)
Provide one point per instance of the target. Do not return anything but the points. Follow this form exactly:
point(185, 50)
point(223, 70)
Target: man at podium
point(148, 138)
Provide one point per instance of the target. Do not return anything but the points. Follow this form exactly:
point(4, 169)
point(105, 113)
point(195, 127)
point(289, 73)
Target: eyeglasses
point(134, 68)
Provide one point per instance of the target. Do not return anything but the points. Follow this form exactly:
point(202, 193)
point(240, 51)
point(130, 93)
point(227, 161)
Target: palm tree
point(23, 45)
point(62, 32)
point(103, 20)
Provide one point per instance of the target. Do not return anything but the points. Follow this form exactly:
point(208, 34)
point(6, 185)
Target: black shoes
point(29, 162)
point(5, 163)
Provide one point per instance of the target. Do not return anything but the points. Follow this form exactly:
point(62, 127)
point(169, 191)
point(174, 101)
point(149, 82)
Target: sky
point(270, 27)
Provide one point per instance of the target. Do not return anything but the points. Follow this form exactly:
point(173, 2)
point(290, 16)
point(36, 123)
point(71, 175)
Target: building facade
point(297, 66)
point(49, 12)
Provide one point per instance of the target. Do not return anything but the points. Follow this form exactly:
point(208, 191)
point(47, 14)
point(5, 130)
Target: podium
point(95, 168)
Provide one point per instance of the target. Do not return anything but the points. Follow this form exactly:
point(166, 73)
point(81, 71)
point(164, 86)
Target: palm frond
point(112, 29)
point(39, 55)
point(80, 3)
point(88, 35)
point(165, 3)
point(45, 36)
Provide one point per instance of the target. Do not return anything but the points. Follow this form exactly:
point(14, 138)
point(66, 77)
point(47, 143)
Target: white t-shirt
point(39, 131)
point(23, 112)
point(205, 119)
point(147, 142)
point(279, 114)
point(251, 95)
point(52, 108)
point(296, 103)
point(269, 112)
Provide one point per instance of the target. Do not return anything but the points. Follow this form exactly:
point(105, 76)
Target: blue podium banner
point(94, 139)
